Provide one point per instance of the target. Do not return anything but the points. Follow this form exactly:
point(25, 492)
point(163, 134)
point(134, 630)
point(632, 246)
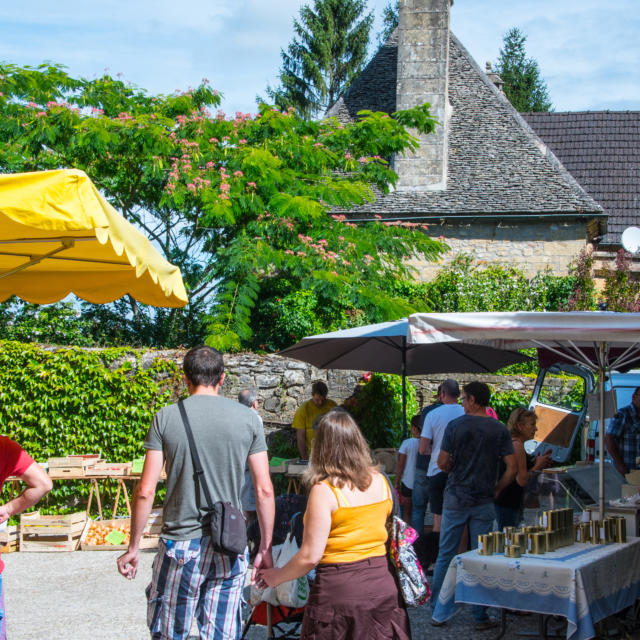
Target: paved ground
point(81, 596)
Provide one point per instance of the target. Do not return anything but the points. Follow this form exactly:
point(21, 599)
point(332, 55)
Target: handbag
point(226, 522)
point(412, 580)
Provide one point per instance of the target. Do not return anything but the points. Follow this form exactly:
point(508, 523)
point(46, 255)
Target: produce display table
point(583, 583)
point(98, 484)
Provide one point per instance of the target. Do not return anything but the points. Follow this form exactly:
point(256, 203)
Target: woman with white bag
point(354, 594)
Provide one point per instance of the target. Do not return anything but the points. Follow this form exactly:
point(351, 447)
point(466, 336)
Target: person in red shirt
point(15, 461)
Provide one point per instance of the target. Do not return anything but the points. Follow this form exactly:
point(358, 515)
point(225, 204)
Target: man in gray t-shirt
point(189, 576)
point(471, 450)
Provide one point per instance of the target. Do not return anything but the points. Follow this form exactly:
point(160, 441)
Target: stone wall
point(530, 246)
point(284, 384)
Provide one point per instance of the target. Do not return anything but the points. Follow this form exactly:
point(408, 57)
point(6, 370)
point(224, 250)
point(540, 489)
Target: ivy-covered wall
point(57, 401)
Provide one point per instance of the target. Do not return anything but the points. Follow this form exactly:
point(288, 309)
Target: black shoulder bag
point(227, 524)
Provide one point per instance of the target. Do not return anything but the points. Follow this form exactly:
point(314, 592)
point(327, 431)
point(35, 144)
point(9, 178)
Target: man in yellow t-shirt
point(305, 416)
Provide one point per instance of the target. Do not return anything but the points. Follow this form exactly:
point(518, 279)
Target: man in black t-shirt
point(472, 447)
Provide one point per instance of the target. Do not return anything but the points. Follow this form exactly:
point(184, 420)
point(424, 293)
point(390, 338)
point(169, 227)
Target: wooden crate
point(109, 469)
point(51, 533)
point(10, 539)
point(146, 542)
point(154, 523)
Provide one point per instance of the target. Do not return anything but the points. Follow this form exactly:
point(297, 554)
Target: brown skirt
point(353, 600)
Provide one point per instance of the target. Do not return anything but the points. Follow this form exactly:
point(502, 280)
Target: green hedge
point(68, 401)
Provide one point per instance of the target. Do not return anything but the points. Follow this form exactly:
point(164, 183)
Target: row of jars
point(556, 530)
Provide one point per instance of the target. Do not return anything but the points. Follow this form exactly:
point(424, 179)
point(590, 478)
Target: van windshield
point(563, 391)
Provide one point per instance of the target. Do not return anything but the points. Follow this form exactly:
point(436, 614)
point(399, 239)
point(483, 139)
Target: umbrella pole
point(601, 438)
point(404, 387)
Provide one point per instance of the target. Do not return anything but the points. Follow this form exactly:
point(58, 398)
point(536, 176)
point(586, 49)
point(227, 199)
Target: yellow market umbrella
point(58, 235)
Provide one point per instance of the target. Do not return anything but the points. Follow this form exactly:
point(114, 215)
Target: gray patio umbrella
point(384, 348)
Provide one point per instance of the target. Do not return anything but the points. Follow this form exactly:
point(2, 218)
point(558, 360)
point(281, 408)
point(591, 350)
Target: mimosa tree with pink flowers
point(243, 204)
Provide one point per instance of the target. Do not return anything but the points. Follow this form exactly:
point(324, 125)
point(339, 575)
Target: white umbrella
point(599, 340)
point(385, 348)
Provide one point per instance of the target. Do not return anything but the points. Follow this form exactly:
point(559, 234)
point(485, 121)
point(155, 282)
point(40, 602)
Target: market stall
point(598, 340)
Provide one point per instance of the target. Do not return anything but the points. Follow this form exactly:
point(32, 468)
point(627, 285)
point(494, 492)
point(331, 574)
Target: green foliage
point(378, 409)
point(56, 403)
point(523, 85)
point(583, 296)
point(51, 324)
point(282, 444)
point(328, 51)
point(504, 402)
point(236, 203)
point(621, 292)
point(390, 18)
point(467, 285)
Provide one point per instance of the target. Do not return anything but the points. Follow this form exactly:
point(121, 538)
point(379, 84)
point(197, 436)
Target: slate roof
point(497, 165)
point(601, 149)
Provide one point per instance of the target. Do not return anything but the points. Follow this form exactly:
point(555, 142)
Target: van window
point(623, 396)
point(565, 391)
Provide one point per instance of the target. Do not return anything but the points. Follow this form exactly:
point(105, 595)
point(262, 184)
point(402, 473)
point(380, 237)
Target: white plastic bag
point(257, 595)
point(293, 593)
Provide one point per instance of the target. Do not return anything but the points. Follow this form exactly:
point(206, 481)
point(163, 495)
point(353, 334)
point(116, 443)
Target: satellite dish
point(631, 239)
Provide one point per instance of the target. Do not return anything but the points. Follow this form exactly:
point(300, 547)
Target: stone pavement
point(81, 596)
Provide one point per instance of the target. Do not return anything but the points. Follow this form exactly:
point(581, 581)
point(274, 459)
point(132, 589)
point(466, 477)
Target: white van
point(560, 402)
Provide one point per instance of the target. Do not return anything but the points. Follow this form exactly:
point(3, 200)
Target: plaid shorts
point(191, 579)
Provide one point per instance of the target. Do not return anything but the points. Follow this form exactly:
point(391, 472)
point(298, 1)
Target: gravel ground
point(81, 596)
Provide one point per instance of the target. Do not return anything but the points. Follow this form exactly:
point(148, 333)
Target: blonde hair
point(517, 417)
point(340, 453)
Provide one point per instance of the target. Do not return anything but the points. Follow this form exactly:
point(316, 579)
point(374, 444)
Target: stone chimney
point(423, 76)
point(494, 77)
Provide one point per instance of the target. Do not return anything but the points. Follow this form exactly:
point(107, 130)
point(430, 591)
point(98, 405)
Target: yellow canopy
point(58, 235)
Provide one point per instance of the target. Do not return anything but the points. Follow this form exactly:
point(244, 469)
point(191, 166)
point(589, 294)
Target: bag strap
point(394, 497)
point(197, 466)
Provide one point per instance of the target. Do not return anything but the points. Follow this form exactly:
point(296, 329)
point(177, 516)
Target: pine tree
point(523, 85)
point(390, 19)
point(328, 51)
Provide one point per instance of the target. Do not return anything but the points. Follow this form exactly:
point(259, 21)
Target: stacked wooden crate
point(71, 466)
point(10, 539)
point(51, 533)
point(103, 468)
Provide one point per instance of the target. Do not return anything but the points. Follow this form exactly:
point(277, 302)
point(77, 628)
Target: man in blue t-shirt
point(471, 449)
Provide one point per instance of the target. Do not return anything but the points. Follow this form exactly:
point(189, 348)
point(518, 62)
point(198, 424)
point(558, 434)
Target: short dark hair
point(320, 388)
point(450, 388)
point(203, 366)
point(247, 397)
point(480, 392)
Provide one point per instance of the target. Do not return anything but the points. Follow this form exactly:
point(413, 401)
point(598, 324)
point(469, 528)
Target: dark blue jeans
point(480, 520)
point(420, 500)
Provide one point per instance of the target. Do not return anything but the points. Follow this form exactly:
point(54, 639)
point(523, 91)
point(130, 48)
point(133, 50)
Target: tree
point(237, 203)
point(390, 19)
point(328, 51)
point(523, 85)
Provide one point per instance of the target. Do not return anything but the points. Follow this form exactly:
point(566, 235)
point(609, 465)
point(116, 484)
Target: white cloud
point(587, 50)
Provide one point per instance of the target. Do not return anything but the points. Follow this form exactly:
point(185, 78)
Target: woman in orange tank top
point(355, 594)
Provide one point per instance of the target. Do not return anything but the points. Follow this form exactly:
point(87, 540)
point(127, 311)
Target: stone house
point(601, 150)
point(484, 181)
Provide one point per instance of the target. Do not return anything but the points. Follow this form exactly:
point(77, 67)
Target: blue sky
point(588, 50)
